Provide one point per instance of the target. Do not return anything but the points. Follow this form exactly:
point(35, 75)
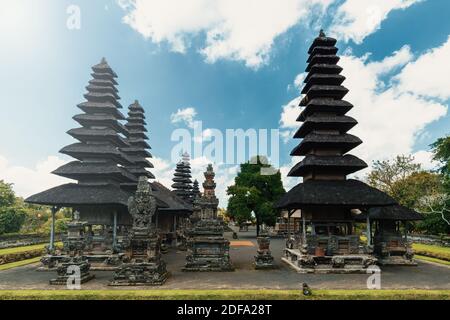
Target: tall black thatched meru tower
point(138, 147)
point(328, 200)
point(101, 135)
point(325, 141)
point(182, 179)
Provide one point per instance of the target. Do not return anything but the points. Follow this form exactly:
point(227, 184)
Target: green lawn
point(442, 253)
point(25, 248)
point(435, 260)
point(224, 294)
point(19, 263)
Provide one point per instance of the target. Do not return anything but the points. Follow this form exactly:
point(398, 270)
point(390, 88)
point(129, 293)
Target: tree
point(441, 153)
point(12, 216)
point(254, 191)
point(415, 188)
point(385, 174)
point(7, 196)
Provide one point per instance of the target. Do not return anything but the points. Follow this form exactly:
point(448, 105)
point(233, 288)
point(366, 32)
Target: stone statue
point(145, 266)
point(142, 206)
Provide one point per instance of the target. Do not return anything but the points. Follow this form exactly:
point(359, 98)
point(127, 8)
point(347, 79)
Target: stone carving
point(264, 258)
point(145, 266)
point(207, 249)
point(73, 258)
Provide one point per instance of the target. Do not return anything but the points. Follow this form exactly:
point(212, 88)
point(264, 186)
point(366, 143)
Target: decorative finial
point(103, 61)
point(322, 34)
point(136, 101)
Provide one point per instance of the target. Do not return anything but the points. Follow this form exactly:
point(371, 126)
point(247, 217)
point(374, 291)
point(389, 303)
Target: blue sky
point(234, 64)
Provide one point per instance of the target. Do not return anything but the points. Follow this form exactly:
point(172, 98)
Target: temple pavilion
point(328, 200)
point(109, 159)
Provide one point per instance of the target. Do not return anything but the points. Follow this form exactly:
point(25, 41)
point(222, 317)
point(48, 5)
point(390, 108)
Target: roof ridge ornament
point(322, 34)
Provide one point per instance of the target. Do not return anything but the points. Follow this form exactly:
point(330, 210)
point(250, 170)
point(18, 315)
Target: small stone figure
point(306, 290)
point(264, 259)
point(145, 266)
point(73, 264)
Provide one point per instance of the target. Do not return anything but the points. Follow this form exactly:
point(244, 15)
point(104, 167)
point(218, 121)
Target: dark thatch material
point(79, 170)
point(323, 69)
point(175, 203)
point(346, 164)
point(110, 120)
point(322, 59)
point(73, 194)
point(324, 91)
point(101, 107)
point(86, 134)
point(323, 79)
point(324, 50)
point(396, 212)
point(345, 142)
point(344, 193)
point(324, 122)
point(321, 41)
point(80, 151)
point(340, 107)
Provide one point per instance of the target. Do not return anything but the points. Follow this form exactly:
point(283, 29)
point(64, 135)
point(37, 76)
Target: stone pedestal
point(145, 266)
point(207, 249)
point(70, 269)
point(263, 258)
point(73, 265)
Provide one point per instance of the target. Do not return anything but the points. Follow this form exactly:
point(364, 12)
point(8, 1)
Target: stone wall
point(19, 240)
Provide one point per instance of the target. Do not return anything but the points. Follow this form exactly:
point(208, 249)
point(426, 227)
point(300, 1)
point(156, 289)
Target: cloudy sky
point(228, 63)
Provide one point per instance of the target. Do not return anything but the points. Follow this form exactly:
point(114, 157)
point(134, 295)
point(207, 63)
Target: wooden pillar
point(304, 227)
point(369, 230)
point(114, 229)
point(52, 228)
point(156, 220)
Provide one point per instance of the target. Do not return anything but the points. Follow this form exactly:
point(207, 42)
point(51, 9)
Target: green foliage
point(253, 191)
point(441, 153)
point(415, 188)
point(11, 219)
point(7, 196)
point(385, 174)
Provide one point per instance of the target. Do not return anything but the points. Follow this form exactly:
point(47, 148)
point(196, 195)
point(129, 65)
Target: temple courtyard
point(424, 276)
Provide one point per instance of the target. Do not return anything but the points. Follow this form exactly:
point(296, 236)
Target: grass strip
point(223, 295)
point(18, 263)
point(430, 259)
point(432, 251)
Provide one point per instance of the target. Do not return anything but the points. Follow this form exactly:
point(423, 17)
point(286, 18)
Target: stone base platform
point(397, 261)
point(140, 274)
point(338, 264)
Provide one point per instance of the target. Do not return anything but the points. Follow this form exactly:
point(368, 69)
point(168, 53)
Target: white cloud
point(241, 30)
point(356, 19)
point(391, 116)
point(425, 158)
point(28, 181)
point(185, 115)
point(429, 75)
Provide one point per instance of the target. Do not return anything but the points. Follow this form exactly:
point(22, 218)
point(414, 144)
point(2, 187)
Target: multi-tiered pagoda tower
point(138, 147)
point(195, 190)
point(99, 158)
point(207, 249)
point(182, 179)
point(327, 198)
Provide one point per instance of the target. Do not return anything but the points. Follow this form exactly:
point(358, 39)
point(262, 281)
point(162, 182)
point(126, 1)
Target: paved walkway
point(424, 276)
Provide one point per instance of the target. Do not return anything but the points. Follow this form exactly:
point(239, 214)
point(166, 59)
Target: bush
point(11, 219)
